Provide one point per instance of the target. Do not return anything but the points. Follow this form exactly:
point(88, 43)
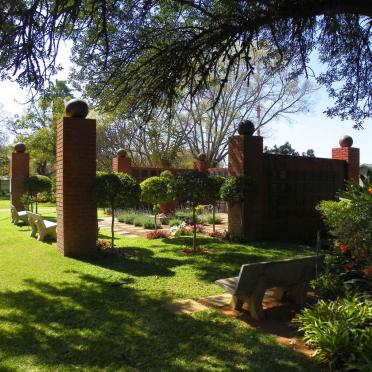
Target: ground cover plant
point(107, 313)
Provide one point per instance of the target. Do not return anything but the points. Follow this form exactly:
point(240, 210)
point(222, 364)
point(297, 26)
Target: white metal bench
point(18, 216)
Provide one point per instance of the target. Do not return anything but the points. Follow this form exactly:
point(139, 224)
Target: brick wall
point(288, 188)
point(76, 172)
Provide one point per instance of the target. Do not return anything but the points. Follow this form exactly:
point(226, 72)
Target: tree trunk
point(156, 226)
point(194, 229)
point(112, 226)
point(36, 203)
point(213, 218)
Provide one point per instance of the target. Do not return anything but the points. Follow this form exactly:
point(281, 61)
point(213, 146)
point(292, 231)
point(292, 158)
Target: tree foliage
point(237, 189)
point(36, 184)
point(145, 52)
point(36, 127)
point(192, 187)
point(154, 191)
point(287, 149)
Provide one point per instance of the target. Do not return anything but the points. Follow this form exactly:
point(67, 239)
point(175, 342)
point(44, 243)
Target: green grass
point(96, 314)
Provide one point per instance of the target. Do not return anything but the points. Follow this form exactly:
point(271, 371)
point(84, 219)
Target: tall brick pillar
point(76, 173)
point(246, 159)
point(121, 163)
point(19, 173)
point(201, 163)
point(350, 154)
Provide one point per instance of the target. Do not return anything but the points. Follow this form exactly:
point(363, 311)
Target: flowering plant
point(180, 229)
point(199, 228)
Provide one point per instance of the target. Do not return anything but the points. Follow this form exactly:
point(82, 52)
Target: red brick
point(19, 172)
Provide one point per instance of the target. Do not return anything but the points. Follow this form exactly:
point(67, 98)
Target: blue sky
point(305, 130)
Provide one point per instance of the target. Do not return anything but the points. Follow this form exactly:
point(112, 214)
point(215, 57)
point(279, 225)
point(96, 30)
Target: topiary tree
point(236, 190)
point(116, 190)
point(36, 184)
point(154, 191)
point(214, 194)
point(192, 187)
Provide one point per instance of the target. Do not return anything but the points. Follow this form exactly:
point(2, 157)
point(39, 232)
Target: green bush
point(138, 221)
point(349, 222)
point(128, 217)
point(208, 219)
point(186, 216)
point(145, 221)
point(174, 222)
point(340, 332)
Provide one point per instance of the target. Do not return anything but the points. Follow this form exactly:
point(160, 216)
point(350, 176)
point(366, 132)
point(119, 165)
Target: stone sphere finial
point(20, 148)
point(346, 141)
point(246, 128)
point(77, 108)
point(121, 153)
point(202, 157)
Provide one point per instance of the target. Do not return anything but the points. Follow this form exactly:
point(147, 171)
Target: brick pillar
point(351, 155)
point(246, 159)
point(121, 163)
point(19, 173)
point(76, 173)
point(201, 163)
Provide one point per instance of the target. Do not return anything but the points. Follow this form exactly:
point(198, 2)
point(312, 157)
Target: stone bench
point(289, 278)
point(45, 229)
point(18, 216)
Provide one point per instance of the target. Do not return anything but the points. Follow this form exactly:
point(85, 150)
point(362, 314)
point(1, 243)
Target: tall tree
point(156, 141)
point(37, 126)
point(271, 91)
point(287, 149)
point(147, 51)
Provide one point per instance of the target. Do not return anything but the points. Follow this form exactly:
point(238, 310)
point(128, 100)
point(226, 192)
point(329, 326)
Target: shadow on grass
point(224, 259)
point(86, 323)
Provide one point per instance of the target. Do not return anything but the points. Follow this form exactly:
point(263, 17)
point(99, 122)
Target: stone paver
point(217, 301)
point(184, 307)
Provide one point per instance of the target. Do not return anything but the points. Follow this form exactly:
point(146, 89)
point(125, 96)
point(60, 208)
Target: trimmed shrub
point(37, 184)
point(114, 191)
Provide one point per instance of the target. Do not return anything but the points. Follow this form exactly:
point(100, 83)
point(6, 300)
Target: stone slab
point(217, 301)
point(185, 307)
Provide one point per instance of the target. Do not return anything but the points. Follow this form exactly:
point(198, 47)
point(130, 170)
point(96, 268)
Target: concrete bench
point(45, 229)
point(289, 278)
point(18, 216)
point(32, 217)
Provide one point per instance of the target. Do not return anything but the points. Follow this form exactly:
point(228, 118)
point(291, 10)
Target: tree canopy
point(143, 53)
point(287, 149)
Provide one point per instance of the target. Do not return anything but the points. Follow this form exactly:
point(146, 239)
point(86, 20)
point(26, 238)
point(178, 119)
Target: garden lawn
point(59, 313)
